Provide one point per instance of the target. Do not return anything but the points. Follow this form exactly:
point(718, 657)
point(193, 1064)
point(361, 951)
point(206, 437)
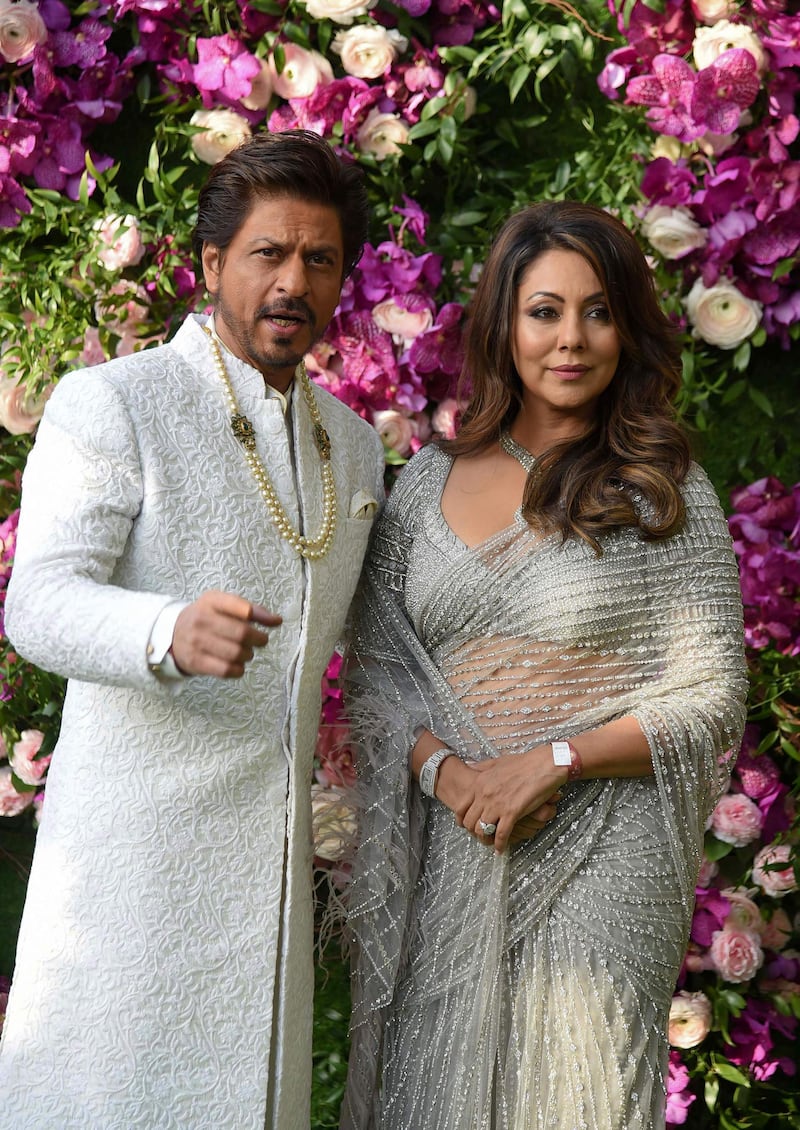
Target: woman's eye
point(601, 313)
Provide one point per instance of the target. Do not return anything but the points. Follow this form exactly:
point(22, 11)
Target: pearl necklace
point(242, 428)
point(517, 451)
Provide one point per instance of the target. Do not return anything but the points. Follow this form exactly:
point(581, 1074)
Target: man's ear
point(211, 258)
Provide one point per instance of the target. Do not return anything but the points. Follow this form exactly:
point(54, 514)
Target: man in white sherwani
point(193, 523)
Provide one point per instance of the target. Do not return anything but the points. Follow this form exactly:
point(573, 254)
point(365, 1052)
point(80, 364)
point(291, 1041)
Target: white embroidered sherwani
point(164, 975)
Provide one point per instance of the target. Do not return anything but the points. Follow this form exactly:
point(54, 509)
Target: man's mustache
point(288, 306)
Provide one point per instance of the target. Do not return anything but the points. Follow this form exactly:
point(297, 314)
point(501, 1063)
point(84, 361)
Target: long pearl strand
point(311, 548)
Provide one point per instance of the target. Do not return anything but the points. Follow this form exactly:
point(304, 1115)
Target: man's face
point(276, 285)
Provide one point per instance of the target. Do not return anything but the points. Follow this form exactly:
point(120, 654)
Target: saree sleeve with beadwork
point(531, 989)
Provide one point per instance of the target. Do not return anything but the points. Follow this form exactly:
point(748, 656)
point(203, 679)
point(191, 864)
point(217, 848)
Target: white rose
point(382, 134)
point(303, 71)
point(721, 315)
point(222, 130)
point(340, 11)
point(709, 11)
point(120, 242)
point(404, 325)
point(21, 29)
point(395, 429)
point(710, 42)
point(260, 89)
point(333, 822)
point(689, 1019)
point(368, 50)
point(673, 231)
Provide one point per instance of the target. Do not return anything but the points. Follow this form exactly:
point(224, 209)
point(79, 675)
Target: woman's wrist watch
point(429, 772)
point(565, 755)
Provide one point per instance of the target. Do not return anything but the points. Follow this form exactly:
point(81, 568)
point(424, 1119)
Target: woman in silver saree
point(546, 688)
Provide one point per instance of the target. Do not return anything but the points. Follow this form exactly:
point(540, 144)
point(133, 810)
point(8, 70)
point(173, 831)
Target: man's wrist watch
point(429, 772)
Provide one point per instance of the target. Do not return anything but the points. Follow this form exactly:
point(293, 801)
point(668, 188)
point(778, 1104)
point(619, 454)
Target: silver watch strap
point(430, 770)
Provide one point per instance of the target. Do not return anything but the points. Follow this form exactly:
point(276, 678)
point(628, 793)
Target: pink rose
point(11, 801)
point(21, 29)
point(119, 242)
point(689, 1019)
point(775, 933)
point(24, 761)
point(736, 954)
point(778, 882)
point(444, 418)
point(743, 914)
point(708, 871)
point(736, 820)
point(260, 90)
point(335, 756)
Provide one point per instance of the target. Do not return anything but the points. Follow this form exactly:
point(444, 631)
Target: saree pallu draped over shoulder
point(531, 989)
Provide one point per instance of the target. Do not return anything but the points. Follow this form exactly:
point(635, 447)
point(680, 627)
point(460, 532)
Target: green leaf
point(711, 1092)
point(732, 1074)
point(760, 400)
point(716, 849)
point(466, 219)
point(518, 80)
point(741, 358)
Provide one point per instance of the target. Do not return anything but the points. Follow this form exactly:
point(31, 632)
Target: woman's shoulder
point(424, 473)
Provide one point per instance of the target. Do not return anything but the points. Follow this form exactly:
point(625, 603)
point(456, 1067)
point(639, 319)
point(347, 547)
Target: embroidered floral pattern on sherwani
point(531, 990)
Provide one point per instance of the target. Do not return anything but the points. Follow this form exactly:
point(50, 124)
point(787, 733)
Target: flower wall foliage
point(677, 114)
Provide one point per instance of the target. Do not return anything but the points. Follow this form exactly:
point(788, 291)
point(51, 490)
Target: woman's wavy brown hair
point(635, 442)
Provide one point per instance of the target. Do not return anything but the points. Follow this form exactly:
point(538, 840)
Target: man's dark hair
point(295, 163)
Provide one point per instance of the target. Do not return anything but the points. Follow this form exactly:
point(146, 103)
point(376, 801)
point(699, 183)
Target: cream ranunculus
point(333, 822)
point(260, 89)
point(303, 71)
point(21, 29)
point(382, 134)
point(340, 11)
point(710, 42)
point(689, 1019)
point(403, 324)
point(710, 11)
point(721, 315)
point(368, 50)
point(119, 242)
point(395, 429)
point(221, 131)
point(20, 410)
point(673, 231)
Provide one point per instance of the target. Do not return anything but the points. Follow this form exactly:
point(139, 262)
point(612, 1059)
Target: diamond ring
point(487, 829)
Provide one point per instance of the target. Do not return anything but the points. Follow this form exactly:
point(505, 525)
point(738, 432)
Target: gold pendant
point(322, 440)
point(244, 431)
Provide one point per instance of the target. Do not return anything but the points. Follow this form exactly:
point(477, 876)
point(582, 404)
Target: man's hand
point(216, 635)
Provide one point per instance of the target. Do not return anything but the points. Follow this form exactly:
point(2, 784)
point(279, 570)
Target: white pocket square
point(363, 505)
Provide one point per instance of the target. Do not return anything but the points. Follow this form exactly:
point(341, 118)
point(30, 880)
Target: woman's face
point(564, 343)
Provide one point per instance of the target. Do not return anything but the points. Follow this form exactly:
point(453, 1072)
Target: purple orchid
point(667, 183)
point(753, 1034)
point(82, 46)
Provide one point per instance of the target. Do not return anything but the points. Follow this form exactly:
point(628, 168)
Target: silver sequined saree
point(531, 990)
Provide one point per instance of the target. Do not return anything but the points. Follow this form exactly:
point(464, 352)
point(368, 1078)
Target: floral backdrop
point(679, 115)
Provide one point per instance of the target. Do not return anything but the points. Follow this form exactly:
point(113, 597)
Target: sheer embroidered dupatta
point(471, 971)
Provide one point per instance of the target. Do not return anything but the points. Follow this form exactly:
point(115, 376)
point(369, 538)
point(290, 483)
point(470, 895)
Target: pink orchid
point(224, 65)
point(669, 91)
point(724, 89)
